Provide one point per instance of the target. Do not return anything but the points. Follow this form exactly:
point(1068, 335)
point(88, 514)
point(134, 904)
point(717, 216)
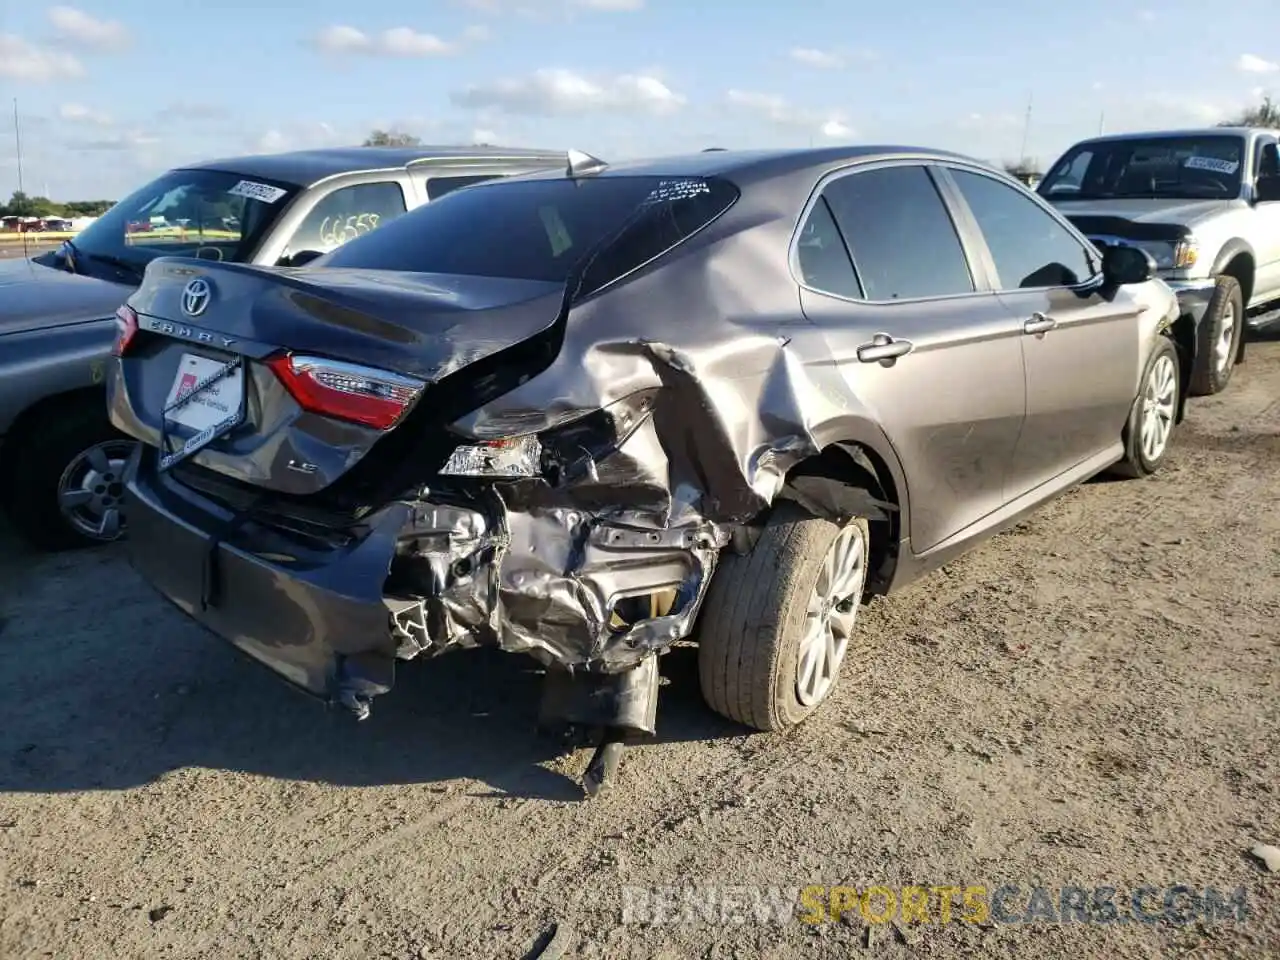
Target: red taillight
point(126, 329)
point(346, 391)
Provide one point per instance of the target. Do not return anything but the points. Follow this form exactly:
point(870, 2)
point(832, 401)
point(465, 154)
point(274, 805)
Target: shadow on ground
point(113, 689)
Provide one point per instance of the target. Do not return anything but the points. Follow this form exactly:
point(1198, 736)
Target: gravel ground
point(1090, 699)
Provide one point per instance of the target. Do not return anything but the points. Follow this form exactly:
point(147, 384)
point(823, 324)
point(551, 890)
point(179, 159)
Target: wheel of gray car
point(777, 623)
point(1154, 414)
point(65, 478)
point(1218, 339)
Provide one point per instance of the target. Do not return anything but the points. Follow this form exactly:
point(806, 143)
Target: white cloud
point(481, 135)
point(782, 113)
point(340, 38)
point(79, 113)
point(1252, 63)
point(20, 60)
point(297, 136)
point(184, 110)
point(406, 42)
point(130, 140)
point(817, 58)
point(395, 42)
point(557, 91)
point(79, 27)
point(990, 121)
point(539, 9)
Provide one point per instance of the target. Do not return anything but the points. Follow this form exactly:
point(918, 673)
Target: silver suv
point(1205, 204)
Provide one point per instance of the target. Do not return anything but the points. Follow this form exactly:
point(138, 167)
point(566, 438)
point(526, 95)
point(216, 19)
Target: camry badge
point(196, 297)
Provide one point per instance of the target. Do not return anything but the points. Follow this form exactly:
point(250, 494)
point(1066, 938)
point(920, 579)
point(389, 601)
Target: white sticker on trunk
point(257, 191)
point(1212, 163)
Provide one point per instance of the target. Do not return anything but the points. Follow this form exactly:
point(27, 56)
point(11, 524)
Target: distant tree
point(19, 205)
point(87, 208)
point(1026, 167)
point(391, 138)
point(1266, 114)
point(24, 205)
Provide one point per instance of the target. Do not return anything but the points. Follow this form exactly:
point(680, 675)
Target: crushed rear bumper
point(332, 614)
point(315, 615)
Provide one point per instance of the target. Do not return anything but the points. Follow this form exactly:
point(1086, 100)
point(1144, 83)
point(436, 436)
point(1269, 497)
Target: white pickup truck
point(1205, 204)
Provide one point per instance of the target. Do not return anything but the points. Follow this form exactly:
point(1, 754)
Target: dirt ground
point(1092, 699)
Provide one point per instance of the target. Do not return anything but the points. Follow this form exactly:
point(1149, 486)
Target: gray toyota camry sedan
point(587, 414)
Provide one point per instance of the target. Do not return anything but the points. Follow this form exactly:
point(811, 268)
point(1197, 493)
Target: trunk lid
point(426, 327)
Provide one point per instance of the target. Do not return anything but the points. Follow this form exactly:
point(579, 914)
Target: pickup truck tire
point(778, 622)
point(78, 444)
point(1154, 415)
point(1218, 339)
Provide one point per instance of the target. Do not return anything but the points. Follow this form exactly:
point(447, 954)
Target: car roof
point(744, 165)
point(1232, 131)
point(308, 167)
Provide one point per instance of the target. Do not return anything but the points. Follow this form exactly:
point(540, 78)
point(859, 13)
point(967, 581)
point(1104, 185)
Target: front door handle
point(883, 349)
point(1039, 323)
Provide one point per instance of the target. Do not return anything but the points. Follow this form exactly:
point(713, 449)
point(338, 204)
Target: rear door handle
point(1039, 323)
point(883, 349)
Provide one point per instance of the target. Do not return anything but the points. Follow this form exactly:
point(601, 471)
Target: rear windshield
point(542, 229)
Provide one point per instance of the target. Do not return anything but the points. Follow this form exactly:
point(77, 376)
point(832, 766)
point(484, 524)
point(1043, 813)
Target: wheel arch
point(1237, 259)
point(31, 415)
point(859, 465)
point(29, 418)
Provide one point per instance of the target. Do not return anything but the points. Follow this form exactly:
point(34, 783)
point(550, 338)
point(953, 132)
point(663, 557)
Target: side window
point(672, 211)
point(823, 258)
point(1268, 164)
point(1030, 248)
point(900, 235)
point(347, 213)
point(437, 187)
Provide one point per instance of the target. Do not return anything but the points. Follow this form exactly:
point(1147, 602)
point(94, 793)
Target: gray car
point(60, 459)
point(588, 414)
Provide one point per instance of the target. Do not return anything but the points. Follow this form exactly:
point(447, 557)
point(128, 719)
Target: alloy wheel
point(91, 490)
point(1159, 398)
point(831, 616)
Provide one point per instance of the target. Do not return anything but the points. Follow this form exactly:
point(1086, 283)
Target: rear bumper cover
point(320, 625)
point(327, 617)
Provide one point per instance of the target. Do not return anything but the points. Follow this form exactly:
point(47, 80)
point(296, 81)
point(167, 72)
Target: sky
point(112, 92)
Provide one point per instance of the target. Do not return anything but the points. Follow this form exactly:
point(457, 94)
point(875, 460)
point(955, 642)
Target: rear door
point(1080, 346)
point(330, 214)
point(918, 336)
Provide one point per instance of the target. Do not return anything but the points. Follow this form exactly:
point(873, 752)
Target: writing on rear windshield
point(669, 190)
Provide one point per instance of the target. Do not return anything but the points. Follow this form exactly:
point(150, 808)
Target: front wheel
point(1218, 339)
point(1154, 414)
point(777, 623)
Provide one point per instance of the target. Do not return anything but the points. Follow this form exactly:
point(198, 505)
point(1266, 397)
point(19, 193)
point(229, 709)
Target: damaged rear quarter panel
point(744, 388)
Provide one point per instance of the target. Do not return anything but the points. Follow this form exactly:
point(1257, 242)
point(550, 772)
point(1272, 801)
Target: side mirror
point(1267, 190)
point(1122, 265)
point(299, 259)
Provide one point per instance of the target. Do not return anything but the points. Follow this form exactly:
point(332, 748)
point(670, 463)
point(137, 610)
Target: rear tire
point(72, 457)
point(759, 625)
point(1154, 415)
point(1218, 339)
